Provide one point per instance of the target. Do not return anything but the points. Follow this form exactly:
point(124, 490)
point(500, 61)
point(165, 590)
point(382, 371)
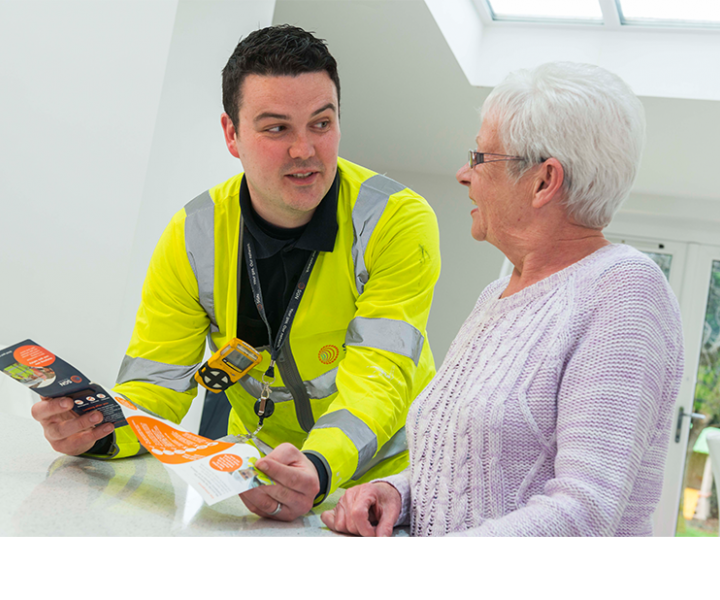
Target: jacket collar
point(318, 234)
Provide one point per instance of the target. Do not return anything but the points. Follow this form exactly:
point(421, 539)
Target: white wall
point(110, 124)
point(188, 153)
point(81, 84)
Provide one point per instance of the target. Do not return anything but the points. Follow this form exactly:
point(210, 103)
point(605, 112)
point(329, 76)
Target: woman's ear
point(548, 182)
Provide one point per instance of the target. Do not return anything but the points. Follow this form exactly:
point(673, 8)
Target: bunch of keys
point(264, 407)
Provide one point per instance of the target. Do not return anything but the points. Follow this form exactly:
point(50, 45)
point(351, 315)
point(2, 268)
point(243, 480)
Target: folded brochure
point(216, 470)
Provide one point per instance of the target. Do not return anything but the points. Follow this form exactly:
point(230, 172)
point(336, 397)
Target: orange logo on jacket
point(328, 354)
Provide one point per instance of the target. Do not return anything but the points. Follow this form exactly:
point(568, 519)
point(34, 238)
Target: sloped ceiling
point(406, 104)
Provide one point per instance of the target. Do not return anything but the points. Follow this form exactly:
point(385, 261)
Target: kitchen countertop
point(44, 493)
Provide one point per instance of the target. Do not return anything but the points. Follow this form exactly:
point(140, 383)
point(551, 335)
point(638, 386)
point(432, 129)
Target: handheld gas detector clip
point(227, 365)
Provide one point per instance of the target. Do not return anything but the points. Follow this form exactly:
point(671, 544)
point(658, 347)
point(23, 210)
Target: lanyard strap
point(292, 306)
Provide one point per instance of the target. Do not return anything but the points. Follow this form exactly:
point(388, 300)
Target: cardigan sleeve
point(401, 482)
point(614, 404)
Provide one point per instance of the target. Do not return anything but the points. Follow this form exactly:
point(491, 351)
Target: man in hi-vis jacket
point(342, 265)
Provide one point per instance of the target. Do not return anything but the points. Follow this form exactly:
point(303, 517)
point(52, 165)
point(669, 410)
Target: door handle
point(690, 415)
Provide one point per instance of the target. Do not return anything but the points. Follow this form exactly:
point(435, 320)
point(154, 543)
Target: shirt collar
point(318, 234)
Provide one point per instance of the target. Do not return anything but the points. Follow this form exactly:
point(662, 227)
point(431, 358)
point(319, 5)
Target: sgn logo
point(328, 354)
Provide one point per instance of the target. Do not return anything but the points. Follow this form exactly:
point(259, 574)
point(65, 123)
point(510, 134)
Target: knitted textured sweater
point(551, 413)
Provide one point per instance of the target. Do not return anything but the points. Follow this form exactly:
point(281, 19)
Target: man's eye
point(323, 124)
point(276, 129)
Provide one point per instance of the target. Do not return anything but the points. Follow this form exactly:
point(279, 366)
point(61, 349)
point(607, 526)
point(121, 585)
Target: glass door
point(698, 503)
point(688, 505)
point(687, 267)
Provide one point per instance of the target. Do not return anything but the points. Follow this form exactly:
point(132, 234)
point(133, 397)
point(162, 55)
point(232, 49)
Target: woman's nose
point(463, 175)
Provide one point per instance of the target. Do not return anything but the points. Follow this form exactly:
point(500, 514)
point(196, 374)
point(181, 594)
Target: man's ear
point(548, 182)
point(230, 134)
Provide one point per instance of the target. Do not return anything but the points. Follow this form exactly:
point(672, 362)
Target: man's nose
point(302, 148)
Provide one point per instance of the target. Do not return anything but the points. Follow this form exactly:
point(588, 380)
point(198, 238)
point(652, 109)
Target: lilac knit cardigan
point(551, 413)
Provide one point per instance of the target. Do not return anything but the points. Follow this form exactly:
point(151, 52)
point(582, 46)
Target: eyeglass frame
point(478, 158)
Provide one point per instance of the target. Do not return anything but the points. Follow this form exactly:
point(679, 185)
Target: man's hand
point(67, 432)
point(296, 485)
point(369, 510)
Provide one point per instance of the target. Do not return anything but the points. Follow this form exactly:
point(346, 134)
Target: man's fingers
point(248, 502)
point(260, 502)
point(267, 497)
point(286, 454)
point(66, 428)
point(67, 432)
point(290, 468)
point(292, 477)
point(81, 442)
point(50, 407)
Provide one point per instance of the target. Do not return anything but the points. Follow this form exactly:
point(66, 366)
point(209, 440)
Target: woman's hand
point(369, 510)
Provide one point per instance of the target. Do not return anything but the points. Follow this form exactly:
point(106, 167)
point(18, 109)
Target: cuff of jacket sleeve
point(337, 452)
point(323, 471)
point(124, 443)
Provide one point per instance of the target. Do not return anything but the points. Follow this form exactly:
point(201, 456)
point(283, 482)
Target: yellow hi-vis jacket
point(357, 354)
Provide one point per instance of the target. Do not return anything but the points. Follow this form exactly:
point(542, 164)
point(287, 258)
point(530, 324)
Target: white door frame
point(695, 286)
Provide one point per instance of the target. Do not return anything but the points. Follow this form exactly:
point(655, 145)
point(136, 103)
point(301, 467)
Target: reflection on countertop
point(43, 493)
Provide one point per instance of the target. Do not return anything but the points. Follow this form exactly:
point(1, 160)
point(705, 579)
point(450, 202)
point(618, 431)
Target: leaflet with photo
point(47, 375)
point(216, 470)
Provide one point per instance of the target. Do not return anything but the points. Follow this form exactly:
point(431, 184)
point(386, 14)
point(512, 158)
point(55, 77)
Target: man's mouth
point(304, 178)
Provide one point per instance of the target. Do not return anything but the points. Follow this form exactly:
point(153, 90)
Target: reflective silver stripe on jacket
point(200, 247)
point(320, 387)
point(386, 334)
point(369, 206)
point(394, 446)
point(364, 439)
point(173, 377)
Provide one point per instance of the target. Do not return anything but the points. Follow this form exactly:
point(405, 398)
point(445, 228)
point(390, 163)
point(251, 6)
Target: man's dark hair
point(274, 51)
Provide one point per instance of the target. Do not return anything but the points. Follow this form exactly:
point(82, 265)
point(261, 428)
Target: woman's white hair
point(584, 116)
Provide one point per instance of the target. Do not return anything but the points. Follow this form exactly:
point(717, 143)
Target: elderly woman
point(551, 413)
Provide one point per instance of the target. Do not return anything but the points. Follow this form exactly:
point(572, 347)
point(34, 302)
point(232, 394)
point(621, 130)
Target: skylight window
point(669, 12)
point(548, 10)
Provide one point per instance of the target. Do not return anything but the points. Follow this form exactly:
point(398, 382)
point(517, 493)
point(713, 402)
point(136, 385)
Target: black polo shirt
point(281, 255)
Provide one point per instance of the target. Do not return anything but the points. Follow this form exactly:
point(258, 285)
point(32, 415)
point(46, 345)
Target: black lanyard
point(264, 407)
point(292, 306)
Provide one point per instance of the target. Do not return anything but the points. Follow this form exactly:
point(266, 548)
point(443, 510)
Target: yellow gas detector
point(227, 365)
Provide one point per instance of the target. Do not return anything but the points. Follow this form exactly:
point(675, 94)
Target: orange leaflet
point(170, 445)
